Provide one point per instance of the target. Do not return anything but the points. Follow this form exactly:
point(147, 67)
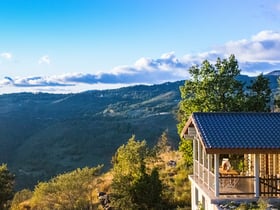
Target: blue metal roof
point(232, 131)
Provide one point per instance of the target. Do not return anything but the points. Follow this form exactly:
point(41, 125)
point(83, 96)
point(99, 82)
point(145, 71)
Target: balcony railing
point(236, 185)
point(204, 176)
point(228, 184)
point(270, 186)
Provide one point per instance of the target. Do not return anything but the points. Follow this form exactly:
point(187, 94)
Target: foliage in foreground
point(132, 186)
point(71, 190)
point(20, 200)
point(141, 178)
point(261, 204)
point(6, 186)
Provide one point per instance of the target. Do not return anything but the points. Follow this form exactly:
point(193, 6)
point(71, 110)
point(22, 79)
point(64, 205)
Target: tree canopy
point(66, 191)
point(132, 186)
point(216, 88)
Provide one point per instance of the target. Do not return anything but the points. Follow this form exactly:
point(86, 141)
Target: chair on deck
point(230, 181)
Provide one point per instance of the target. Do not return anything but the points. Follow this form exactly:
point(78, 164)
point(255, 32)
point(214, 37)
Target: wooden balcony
point(234, 185)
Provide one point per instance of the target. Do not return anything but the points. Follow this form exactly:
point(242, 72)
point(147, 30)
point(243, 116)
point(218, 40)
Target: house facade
point(236, 157)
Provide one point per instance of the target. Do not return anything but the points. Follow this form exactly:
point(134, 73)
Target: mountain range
point(42, 135)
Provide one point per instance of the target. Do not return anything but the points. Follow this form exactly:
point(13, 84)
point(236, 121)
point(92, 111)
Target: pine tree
point(6, 186)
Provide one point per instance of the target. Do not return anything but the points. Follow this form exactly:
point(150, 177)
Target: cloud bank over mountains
point(259, 54)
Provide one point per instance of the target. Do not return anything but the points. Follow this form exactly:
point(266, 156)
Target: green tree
point(277, 98)
point(127, 163)
point(211, 88)
point(147, 191)
point(129, 157)
point(66, 191)
point(258, 97)
point(131, 185)
point(185, 146)
point(163, 145)
point(6, 186)
point(216, 88)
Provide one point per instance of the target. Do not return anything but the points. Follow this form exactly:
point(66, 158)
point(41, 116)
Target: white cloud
point(266, 35)
point(145, 71)
point(190, 59)
point(262, 47)
point(144, 63)
point(6, 55)
point(44, 60)
point(259, 53)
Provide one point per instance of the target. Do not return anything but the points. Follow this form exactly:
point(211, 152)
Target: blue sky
point(75, 45)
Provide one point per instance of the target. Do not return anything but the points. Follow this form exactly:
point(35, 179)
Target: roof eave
point(188, 124)
point(242, 150)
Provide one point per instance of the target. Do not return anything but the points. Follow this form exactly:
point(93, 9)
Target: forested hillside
point(42, 135)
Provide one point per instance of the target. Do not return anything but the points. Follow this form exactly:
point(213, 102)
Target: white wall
point(198, 195)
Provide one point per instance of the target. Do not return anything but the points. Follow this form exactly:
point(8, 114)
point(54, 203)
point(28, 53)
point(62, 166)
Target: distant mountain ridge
point(274, 73)
point(42, 134)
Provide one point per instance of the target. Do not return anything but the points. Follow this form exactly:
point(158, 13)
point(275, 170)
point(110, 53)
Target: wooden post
point(199, 159)
point(194, 156)
point(257, 176)
point(209, 158)
point(217, 177)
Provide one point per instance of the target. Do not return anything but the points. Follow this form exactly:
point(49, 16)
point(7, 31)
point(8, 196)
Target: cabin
point(236, 157)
